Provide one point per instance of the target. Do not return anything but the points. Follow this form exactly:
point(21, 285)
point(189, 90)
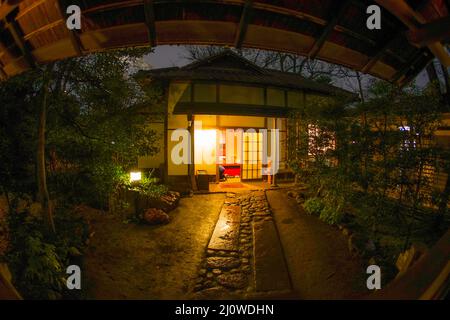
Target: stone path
point(226, 232)
point(271, 273)
point(244, 256)
point(316, 253)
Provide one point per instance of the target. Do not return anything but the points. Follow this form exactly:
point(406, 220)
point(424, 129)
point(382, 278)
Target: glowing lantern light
point(135, 176)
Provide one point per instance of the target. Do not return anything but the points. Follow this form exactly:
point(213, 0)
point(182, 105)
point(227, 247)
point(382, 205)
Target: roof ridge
point(316, 83)
point(224, 53)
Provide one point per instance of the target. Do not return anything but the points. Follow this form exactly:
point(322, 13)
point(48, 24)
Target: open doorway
point(230, 155)
point(240, 154)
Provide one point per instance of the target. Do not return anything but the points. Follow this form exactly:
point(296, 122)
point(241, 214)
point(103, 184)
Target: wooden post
point(274, 153)
point(191, 165)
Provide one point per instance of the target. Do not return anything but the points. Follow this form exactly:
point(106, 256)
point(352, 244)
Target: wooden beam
point(74, 39)
point(6, 8)
point(380, 53)
point(414, 20)
point(328, 29)
point(426, 279)
point(438, 30)
point(3, 74)
point(243, 24)
point(14, 29)
point(2, 46)
point(150, 21)
point(408, 66)
point(402, 11)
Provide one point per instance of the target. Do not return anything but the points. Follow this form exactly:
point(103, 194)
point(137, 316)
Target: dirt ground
point(129, 261)
point(317, 254)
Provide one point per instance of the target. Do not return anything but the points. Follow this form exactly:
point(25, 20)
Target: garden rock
point(156, 216)
point(292, 194)
point(233, 280)
point(224, 263)
point(407, 258)
point(167, 202)
point(355, 244)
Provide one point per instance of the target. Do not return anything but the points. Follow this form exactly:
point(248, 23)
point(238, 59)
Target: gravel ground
point(129, 261)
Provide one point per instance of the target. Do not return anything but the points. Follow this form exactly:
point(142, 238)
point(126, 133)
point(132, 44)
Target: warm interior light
point(135, 176)
point(205, 146)
point(205, 138)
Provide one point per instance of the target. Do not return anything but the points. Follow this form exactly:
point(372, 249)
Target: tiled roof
point(229, 67)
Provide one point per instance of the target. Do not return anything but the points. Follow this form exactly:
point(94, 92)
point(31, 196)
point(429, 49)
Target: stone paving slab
point(271, 273)
point(226, 233)
point(231, 214)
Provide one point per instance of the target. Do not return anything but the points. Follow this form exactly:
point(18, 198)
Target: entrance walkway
point(238, 186)
point(244, 258)
point(265, 247)
point(317, 256)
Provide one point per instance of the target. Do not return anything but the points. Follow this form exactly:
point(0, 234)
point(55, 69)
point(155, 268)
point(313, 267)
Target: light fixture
point(135, 176)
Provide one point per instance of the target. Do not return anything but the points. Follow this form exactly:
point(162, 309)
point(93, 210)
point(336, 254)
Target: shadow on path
point(317, 256)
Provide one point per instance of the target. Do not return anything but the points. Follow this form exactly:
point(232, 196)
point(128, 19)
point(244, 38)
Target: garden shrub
point(313, 206)
point(38, 259)
point(331, 215)
point(150, 187)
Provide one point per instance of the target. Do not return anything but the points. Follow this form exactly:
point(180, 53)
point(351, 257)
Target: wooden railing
point(427, 279)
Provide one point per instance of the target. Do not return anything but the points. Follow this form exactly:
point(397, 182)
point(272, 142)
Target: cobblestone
point(232, 270)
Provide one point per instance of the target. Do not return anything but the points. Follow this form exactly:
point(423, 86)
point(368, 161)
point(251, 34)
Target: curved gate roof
point(34, 31)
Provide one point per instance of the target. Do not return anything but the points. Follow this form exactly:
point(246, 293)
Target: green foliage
point(379, 149)
point(38, 259)
point(313, 206)
point(100, 127)
point(328, 208)
point(17, 133)
point(97, 125)
point(150, 187)
point(335, 197)
point(331, 215)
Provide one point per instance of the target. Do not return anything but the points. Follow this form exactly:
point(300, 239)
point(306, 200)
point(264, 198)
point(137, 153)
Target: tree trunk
point(43, 195)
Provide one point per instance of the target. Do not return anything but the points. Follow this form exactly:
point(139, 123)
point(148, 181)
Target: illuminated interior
point(205, 144)
point(231, 152)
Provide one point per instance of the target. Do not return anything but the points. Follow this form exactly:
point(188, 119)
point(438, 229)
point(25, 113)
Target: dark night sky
point(169, 56)
point(166, 56)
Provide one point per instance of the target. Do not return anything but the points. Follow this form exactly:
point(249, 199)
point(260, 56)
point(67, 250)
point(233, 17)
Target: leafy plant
point(313, 206)
point(150, 187)
point(39, 259)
